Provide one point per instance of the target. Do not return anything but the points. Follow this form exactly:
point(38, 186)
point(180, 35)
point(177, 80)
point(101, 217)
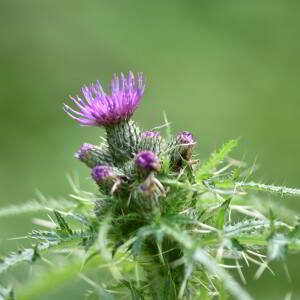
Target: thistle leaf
point(36, 206)
point(63, 225)
point(49, 240)
point(232, 285)
point(198, 254)
point(220, 216)
point(269, 188)
point(26, 255)
point(50, 236)
point(215, 159)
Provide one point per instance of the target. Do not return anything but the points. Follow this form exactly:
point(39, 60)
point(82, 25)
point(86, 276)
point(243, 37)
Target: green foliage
point(37, 206)
point(26, 255)
point(63, 225)
point(170, 245)
point(215, 159)
point(269, 188)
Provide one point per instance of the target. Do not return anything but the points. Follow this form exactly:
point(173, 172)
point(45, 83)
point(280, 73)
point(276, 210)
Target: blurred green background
point(221, 69)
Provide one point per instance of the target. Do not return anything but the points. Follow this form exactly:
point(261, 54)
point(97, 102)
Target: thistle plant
point(163, 224)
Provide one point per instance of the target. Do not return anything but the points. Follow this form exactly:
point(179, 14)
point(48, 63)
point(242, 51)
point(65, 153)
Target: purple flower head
point(83, 151)
point(150, 134)
point(100, 109)
point(185, 138)
point(148, 161)
point(103, 173)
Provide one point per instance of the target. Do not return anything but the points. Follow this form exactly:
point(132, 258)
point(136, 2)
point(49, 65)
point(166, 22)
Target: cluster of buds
point(128, 156)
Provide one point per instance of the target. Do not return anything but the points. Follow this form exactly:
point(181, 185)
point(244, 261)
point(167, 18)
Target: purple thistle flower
point(100, 109)
point(104, 173)
point(83, 151)
point(150, 134)
point(185, 138)
point(148, 161)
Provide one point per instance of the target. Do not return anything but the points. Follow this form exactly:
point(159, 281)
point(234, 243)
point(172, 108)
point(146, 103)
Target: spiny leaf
point(55, 278)
point(80, 218)
point(235, 173)
point(264, 205)
point(51, 240)
point(211, 213)
point(26, 255)
point(35, 206)
point(220, 216)
point(277, 247)
point(260, 240)
point(104, 249)
point(198, 254)
point(51, 236)
point(234, 288)
point(63, 225)
point(268, 188)
point(250, 226)
point(216, 158)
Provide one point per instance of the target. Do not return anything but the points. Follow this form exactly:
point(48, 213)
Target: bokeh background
point(221, 69)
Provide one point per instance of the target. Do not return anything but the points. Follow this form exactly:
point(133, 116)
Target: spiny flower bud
point(83, 151)
point(106, 177)
point(147, 161)
point(151, 141)
point(103, 173)
point(183, 149)
point(185, 137)
point(93, 155)
point(186, 143)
